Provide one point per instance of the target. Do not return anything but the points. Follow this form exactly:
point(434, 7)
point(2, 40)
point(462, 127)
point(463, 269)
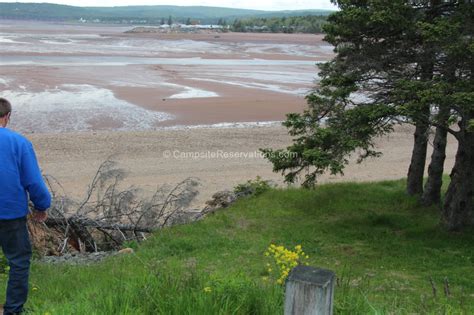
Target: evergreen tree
point(238, 26)
point(396, 60)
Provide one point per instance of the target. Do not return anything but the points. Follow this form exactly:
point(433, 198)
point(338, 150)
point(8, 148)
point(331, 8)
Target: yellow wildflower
point(285, 259)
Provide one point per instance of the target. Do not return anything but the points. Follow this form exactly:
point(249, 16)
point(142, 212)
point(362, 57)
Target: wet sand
point(235, 105)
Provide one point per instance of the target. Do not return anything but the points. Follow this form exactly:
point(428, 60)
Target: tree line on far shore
point(396, 62)
point(292, 24)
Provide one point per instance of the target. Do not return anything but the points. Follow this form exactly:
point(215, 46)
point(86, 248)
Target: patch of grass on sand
point(382, 245)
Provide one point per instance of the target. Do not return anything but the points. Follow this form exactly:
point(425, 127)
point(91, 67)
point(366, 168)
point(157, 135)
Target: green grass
point(381, 244)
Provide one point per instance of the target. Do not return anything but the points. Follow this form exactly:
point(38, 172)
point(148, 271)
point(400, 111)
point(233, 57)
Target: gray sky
point(246, 4)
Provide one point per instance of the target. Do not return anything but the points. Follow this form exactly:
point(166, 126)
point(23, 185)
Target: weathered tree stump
point(309, 291)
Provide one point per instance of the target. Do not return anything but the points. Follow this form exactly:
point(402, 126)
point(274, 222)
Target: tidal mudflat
point(83, 78)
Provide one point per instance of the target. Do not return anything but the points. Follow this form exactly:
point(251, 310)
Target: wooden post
point(309, 291)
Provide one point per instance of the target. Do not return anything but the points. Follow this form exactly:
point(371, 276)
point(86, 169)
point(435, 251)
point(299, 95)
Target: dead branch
point(90, 223)
point(108, 215)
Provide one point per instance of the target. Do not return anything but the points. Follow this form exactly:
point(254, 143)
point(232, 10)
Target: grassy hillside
point(40, 11)
point(152, 14)
point(166, 10)
point(383, 247)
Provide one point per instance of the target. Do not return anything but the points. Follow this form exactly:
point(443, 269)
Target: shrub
point(253, 187)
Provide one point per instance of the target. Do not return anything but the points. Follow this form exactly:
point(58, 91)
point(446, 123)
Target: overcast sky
point(246, 4)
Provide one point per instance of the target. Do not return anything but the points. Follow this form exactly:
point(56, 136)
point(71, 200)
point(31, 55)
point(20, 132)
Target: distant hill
point(137, 14)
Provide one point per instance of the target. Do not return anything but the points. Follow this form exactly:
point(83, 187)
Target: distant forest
point(240, 20)
point(292, 24)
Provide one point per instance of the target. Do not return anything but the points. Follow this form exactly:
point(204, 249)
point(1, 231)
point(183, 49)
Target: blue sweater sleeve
point(32, 180)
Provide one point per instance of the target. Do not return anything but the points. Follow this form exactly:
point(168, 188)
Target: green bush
point(253, 187)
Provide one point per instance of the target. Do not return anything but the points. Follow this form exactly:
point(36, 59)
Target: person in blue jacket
point(20, 181)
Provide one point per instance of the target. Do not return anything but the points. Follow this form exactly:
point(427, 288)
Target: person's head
point(5, 112)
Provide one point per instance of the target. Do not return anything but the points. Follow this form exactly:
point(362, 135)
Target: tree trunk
point(416, 171)
point(432, 192)
point(458, 209)
point(418, 159)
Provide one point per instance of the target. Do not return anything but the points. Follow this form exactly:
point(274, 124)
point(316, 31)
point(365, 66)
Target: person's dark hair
point(5, 107)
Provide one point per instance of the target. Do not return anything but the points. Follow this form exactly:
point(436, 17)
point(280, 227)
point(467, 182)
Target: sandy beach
point(153, 158)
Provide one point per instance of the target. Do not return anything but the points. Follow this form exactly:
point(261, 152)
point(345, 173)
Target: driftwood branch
point(109, 214)
point(86, 222)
